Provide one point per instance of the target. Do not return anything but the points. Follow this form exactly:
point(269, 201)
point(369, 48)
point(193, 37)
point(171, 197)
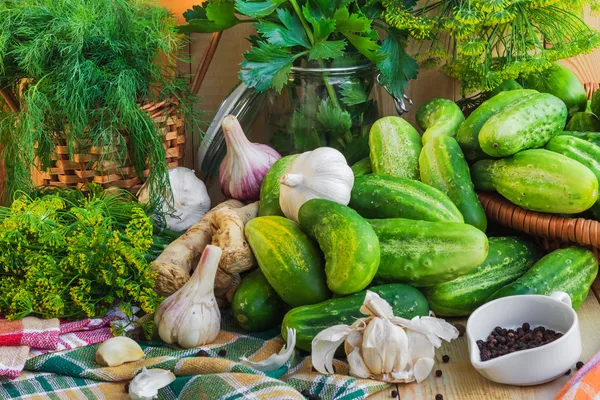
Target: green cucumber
point(363, 167)
point(595, 103)
point(583, 122)
point(256, 306)
point(468, 132)
point(406, 301)
point(529, 122)
point(508, 258)
point(539, 180)
point(290, 260)
point(381, 196)
point(592, 137)
point(350, 245)
point(394, 148)
point(439, 117)
point(571, 270)
point(269, 189)
point(562, 83)
point(506, 86)
point(443, 167)
point(423, 253)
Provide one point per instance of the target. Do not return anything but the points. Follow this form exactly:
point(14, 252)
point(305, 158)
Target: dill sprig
point(80, 69)
point(485, 42)
point(69, 254)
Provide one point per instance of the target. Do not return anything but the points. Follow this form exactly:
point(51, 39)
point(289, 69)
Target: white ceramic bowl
point(532, 366)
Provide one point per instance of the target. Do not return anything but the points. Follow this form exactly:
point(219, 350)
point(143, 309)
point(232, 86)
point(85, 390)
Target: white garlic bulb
point(319, 174)
point(382, 346)
point(190, 317)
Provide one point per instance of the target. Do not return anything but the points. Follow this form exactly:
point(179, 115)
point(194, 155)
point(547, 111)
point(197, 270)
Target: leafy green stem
point(298, 11)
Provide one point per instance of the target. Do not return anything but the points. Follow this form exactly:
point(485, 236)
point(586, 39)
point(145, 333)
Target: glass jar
point(323, 107)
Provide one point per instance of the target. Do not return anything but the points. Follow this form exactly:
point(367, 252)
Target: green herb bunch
point(485, 42)
point(296, 32)
point(79, 70)
point(69, 254)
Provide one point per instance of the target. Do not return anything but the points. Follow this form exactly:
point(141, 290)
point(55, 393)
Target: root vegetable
point(228, 234)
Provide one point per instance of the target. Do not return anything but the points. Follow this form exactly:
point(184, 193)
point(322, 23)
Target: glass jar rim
point(335, 70)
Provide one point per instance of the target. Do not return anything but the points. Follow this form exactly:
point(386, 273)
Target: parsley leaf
point(327, 49)
point(398, 68)
point(351, 23)
point(289, 35)
point(352, 26)
point(211, 17)
point(334, 119)
point(367, 47)
point(353, 93)
point(257, 9)
point(267, 66)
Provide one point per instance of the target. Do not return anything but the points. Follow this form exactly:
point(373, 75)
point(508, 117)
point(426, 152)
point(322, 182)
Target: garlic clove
point(324, 346)
point(146, 384)
point(118, 350)
point(422, 368)
point(275, 361)
point(358, 368)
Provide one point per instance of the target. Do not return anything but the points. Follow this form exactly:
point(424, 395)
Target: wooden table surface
point(460, 381)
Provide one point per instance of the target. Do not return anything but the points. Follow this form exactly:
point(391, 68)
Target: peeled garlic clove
point(118, 350)
point(146, 384)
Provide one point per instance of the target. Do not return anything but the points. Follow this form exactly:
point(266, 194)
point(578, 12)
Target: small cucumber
point(571, 270)
point(443, 167)
point(363, 167)
point(350, 245)
point(439, 117)
point(256, 306)
point(592, 137)
point(269, 190)
point(583, 122)
point(394, 148)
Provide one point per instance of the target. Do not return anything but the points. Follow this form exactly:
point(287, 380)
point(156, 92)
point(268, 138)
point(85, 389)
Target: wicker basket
point(551, 231)
point(82, 168)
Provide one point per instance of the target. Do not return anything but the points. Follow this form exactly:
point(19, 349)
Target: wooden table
point(460, 381)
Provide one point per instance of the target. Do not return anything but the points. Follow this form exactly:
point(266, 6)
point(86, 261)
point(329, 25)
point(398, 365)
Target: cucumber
point(269, 189)
point(443, 167)
point(571, 270)
point(439, 117)
point(583, 122)
point(506, 86)
point(529, 122)
point(290, 260)
point(468, 132)
point(424, 253)
point(256, 306)
point(539, 180)
point(592, 137)
point(406, 301)
point(394, 148)
point(350, 245)
point(381, 196)
point(363, 167)
point(595, 103)
point(562, 83)
point(508, 258)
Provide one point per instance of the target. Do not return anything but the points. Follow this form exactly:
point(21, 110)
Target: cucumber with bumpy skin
point(571, 270)
point(527, 123)
point(423, 253)
point(270, 187)
point(394, 148)
point(508, 259)
point(382, 196)
point(592, 137)
point(439, 117)
point(443, 167)
point(583, 122)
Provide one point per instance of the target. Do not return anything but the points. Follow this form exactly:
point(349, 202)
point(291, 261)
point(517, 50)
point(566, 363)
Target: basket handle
point(10, 99)
point(205, 62)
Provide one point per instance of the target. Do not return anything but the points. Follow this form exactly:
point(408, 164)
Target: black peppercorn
point(526, 326)
point(222, 353)
point(438, 373)
point(461, 329)
point(202, 353)
point(579, 365)
point(445, 358)
point(439, 397)
point(394, 394)
point(568, 372)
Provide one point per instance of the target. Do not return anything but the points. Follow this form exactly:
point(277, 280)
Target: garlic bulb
point(190, 317)
point(118, 350)
point(189, 203)
point(381, 346)
point(245, 165)
point(146, 384)
point(322, 174)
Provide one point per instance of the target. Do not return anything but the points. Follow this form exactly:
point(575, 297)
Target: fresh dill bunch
point(80, 69)
point(69, 254)
point(485, 42)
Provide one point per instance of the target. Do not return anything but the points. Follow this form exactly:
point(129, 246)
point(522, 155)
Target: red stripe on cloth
point(11, 339)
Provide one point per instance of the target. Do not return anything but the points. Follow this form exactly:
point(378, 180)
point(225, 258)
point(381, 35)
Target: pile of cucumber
point(414, 230)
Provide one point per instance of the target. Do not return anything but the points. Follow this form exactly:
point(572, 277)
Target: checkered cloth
point(585, 384)
point(29, 337)
point(74, 373)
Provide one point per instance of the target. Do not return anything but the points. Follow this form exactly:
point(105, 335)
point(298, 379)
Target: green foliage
point(69, 254)
point(79, 69)
point(485, 42)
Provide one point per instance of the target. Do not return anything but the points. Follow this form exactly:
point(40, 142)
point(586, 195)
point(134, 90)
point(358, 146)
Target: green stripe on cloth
point(75, 373)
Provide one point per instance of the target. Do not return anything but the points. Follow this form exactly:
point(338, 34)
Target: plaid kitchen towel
point(585, 384)
point(30, 337)
point(74, 373)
